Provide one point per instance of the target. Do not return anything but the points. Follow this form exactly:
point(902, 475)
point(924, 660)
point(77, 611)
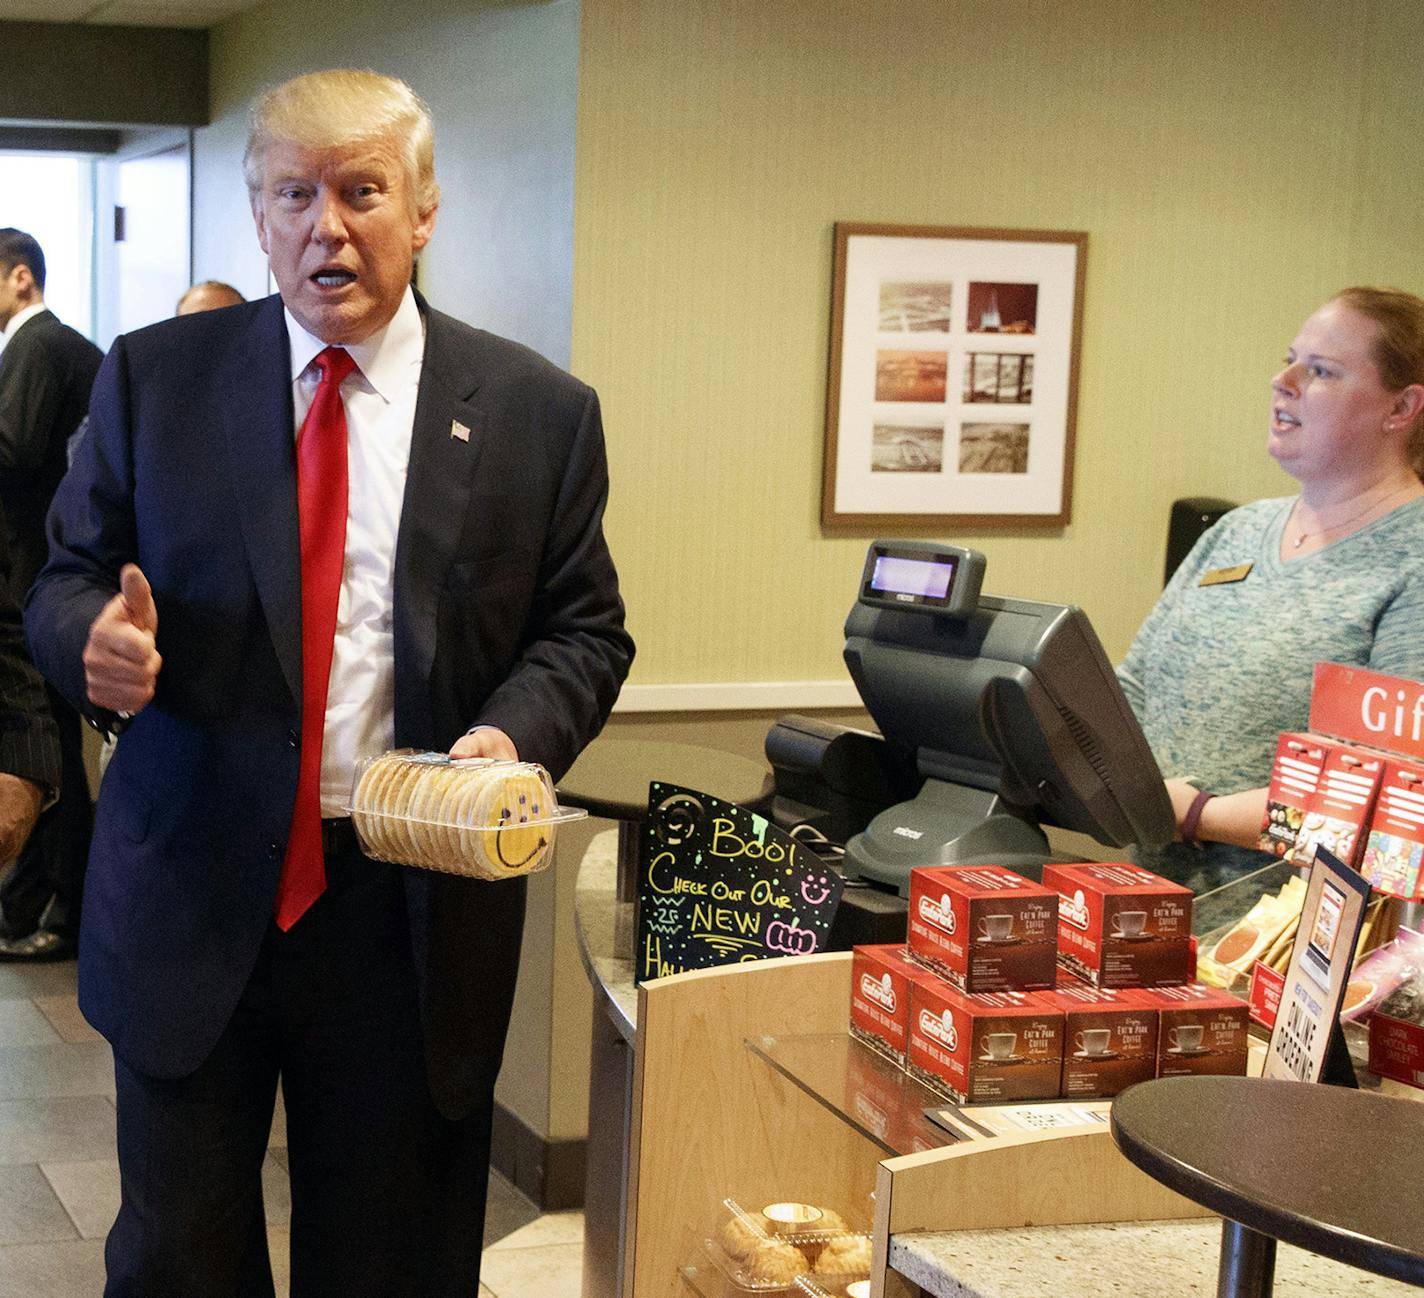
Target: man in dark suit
point(46, 371)
point(189, 588)
point(29, 746)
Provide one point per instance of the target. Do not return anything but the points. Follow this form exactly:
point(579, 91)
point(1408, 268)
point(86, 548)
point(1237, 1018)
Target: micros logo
point(1074, 910)
point(940, 1029)
point(937, 913)
point(880, 991)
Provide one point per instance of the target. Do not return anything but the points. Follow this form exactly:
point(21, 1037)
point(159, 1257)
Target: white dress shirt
point(379, 398)
point(20, 317)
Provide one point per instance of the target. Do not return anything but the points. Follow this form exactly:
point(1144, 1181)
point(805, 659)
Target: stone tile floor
point(59, 1176)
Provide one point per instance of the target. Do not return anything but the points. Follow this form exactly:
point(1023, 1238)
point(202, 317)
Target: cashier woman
point(1224, 661)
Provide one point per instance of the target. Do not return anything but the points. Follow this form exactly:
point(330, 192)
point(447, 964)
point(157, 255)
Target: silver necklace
point(1303, 536)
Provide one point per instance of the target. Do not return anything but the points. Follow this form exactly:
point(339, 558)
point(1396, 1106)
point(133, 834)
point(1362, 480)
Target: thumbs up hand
point(121, 662)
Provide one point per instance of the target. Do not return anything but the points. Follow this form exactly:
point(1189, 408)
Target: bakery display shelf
point(865, 1089)
point(703, 1279)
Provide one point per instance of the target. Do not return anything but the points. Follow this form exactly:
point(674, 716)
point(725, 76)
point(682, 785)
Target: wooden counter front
point(711, 1118)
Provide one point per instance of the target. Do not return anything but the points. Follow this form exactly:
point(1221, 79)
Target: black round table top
point(1332, 1170)
point(611, 776)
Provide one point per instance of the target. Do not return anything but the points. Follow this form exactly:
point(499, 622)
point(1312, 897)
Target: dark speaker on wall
point(1190, 517)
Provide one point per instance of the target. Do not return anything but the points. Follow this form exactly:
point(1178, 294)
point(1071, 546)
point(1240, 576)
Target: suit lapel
point(446, 442)
point(261, 455)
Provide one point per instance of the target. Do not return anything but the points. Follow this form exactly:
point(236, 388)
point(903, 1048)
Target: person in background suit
point(46, 372)
point(29, 744)
point(207, 295)
point(235, 935)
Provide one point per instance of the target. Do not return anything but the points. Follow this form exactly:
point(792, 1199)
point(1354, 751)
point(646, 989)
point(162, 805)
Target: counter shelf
point(862, 1087)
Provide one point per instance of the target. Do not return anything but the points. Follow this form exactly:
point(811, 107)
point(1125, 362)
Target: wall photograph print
point(953, 377)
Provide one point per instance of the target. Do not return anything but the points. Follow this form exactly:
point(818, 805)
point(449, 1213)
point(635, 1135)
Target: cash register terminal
point(1003, 714)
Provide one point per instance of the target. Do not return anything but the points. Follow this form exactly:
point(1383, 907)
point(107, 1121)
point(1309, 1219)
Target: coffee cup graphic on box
point(983, 927)
point(1092, 1042)
point(998, 1046)
point(1185, 1038)
point(996, 928)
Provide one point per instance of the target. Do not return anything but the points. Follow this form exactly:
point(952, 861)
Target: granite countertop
point(596, 920)
point(1154, 1259)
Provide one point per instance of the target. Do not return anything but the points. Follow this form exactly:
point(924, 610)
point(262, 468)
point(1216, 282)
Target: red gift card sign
point(1368, 708)
point(1264, 1001)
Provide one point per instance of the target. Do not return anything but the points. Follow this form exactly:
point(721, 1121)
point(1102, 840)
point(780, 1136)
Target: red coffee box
point(1295, 775)
point(880, 997)
point(1199, 1030)
point(1394, 850)
point(984, 1048)
point(983, 927)
point(1121, 926)
point(1341, 807)
point(1109, 1038)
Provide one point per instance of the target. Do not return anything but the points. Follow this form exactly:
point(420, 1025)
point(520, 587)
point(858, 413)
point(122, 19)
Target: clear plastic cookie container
point(778, 1248)
point(478, 817)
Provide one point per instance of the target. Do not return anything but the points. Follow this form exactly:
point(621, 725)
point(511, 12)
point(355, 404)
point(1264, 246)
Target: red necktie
point(321, 520)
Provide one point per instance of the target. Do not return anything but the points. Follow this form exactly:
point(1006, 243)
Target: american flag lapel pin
point(458, 431)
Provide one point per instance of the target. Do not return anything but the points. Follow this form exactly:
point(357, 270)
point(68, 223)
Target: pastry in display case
point(767, 1250)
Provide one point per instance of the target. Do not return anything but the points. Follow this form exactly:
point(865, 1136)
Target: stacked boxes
point(1010, 990)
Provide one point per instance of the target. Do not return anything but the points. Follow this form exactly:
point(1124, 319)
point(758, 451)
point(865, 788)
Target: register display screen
point(920, 578)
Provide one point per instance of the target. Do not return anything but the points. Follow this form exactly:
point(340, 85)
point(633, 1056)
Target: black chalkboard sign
point(720, 885)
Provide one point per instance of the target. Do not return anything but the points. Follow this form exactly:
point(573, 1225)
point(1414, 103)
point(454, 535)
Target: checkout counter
point(998, 717)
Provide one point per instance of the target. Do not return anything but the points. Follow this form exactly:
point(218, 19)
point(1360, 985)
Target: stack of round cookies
point(480, 817)
point(760, 1253)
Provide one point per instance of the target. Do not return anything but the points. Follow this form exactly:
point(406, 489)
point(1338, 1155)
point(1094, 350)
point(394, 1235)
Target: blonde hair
point(1398, 349)
point(341, 106)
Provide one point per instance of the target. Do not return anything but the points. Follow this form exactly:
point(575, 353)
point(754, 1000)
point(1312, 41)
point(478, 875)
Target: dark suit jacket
point(506, 612)
point(29, 743)
point(46, 371)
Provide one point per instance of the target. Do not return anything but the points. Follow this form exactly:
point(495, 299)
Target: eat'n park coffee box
point(1295, 775)
point(1122, 926)
point(983, 927)
point(984, 1048)
point(1199, 1030)
point(1109, 1038)
point(880, 997)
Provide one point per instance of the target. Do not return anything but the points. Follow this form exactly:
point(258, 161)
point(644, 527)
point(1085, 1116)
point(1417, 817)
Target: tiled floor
point(59, 1179)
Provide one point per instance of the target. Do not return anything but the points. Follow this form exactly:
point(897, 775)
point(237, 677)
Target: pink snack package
point(1380, 973)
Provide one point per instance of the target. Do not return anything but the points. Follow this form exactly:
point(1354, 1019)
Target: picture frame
point(952, 381)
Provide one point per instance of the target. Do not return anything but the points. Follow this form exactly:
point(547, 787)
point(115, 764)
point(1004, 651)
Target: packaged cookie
point(770, 1249)
point(478, 817)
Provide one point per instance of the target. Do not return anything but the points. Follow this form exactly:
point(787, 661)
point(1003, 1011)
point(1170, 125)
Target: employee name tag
point(1225, 576)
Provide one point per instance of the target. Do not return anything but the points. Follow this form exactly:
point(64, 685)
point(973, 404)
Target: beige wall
point(501, 80)
point(1233, 161)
